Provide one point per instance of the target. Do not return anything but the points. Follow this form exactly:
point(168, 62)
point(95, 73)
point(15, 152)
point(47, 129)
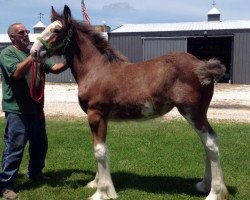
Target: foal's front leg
point(103, 181)
point(93, 184)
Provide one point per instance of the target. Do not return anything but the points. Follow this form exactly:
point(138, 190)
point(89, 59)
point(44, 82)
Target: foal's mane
point(98, 41)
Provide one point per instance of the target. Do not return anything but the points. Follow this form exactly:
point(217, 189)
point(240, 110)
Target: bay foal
point(110, 87)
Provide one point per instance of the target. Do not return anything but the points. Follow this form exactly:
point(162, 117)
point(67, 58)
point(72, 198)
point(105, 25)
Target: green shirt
point(16, 93)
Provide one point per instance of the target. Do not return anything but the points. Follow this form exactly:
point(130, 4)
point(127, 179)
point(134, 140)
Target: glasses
point(23, 32)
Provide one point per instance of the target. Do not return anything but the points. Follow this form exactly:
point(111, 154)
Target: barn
point(227, 40)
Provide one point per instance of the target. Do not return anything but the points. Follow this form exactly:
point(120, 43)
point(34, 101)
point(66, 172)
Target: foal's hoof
point(201, 187)
point(103, 196)
point(92, 184)
point(98, 196)
point(220, 196)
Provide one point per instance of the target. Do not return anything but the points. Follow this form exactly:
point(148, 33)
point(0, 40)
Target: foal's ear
point(54, 14)
point(67, 15)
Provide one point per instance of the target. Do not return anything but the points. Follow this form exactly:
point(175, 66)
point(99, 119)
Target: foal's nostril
point(35, 53)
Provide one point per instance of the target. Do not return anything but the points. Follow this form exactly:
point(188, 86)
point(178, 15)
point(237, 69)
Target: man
point(23, 87)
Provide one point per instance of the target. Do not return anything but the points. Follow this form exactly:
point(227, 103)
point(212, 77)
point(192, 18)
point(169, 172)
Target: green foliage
point(148, 160)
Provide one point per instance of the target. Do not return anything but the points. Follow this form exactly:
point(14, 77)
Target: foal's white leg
point(213, 169)
point(213, 182)
point(205, 185)
point(105, 187)
point(93, 184)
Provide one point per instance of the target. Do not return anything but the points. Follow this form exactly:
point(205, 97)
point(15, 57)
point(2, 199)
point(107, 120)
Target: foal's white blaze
point(147, 109)
point(45, 35)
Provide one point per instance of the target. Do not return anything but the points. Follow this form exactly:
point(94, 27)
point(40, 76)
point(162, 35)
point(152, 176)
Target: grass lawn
point(152, 160)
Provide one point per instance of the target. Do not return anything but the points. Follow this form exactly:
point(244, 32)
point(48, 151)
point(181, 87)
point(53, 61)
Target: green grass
point(151, 160)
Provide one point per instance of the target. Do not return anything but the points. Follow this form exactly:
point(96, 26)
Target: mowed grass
point(150, 160)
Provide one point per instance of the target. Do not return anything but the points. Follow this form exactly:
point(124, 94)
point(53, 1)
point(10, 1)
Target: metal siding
point(129, 46)
point(64, 77)
point(241, 58)
point(155, 47)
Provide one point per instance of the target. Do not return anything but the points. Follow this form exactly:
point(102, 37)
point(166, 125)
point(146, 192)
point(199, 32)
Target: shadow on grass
point(57, 179)
point(159, 184)
point(122, 181)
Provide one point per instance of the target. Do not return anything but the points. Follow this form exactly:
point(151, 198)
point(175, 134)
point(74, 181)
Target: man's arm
point(58, 68)
point(23, 68)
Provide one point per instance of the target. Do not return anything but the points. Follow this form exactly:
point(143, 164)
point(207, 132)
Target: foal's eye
point(57, 30)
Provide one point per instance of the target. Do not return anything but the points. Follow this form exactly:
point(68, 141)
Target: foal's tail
point(210, 71)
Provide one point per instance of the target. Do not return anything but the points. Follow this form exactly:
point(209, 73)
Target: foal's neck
point(83, 55)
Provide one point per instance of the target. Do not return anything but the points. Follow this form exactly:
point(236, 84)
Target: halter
point(51, 50)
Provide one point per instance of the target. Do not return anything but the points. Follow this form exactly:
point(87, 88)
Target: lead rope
point(37, 94)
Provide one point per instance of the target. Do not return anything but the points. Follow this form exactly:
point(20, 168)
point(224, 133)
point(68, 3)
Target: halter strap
point(51, 50)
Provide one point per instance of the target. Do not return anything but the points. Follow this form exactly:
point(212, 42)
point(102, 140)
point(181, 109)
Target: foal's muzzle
point(38, 54)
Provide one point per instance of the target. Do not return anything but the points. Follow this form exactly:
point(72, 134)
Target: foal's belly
point(146, 110)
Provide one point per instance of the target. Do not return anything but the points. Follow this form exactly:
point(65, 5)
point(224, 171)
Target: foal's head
point(56, 36)
point(64, 32)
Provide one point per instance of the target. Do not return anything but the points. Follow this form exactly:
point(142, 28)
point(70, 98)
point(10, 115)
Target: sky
point(117, 12)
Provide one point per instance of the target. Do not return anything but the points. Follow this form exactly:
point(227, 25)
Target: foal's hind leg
point(213, 182)
point(213, 173)
point(102, 181)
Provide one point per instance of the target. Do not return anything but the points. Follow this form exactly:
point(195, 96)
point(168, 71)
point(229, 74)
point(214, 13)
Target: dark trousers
point(20, 129)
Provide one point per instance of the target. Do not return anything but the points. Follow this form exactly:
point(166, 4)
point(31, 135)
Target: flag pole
point(85, 12)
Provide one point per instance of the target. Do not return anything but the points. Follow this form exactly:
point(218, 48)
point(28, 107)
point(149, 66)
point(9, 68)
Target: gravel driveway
point(230, 102)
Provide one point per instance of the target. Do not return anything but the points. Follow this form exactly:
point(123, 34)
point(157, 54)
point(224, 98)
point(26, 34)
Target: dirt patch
point(229, 103)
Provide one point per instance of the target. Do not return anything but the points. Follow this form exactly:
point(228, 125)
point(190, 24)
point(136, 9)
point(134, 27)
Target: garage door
point(241, 59)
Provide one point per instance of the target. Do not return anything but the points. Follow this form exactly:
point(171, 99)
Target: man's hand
point(39, 57)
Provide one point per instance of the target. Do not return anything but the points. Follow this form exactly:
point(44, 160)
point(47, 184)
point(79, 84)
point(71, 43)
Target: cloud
point(121, 6)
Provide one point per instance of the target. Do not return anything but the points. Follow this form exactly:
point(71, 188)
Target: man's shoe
point(8, 194)
point(39, 178)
